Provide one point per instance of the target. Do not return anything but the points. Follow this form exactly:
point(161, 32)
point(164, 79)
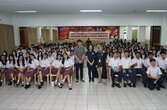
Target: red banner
point(73, 32)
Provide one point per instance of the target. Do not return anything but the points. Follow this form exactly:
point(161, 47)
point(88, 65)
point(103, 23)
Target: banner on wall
point(75, 32)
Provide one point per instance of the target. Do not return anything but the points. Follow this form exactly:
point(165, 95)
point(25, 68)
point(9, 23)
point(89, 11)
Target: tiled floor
point(84, 96)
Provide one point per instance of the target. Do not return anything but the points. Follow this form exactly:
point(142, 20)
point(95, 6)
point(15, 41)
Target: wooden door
point(134, 35)
point(155, 37)
point(6, 38)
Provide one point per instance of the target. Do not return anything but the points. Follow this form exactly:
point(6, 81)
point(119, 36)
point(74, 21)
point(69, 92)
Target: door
point(155, 37)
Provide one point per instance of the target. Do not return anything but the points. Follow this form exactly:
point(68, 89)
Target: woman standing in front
point(90, 58)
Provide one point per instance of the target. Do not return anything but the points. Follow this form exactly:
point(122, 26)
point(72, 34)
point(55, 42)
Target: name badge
point(115, 68)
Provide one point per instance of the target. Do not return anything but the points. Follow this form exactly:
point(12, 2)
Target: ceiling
point(73, 6)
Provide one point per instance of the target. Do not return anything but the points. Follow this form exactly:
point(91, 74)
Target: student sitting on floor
point(154, 76)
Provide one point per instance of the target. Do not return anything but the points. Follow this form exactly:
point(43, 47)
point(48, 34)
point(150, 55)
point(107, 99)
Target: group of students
point(20, 67)
point(119, 61)
point(123, 60)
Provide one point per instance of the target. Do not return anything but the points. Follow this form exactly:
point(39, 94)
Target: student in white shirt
point(11, 63)
point(20, 70)
point(162, 63)
point(44, 69)
point(67, 70)
point(154, 76)
point(138, 64)
point(126, 69)
point(147, 60)
point(56, 68)
point(115, 68)
point(3, 69)
point(31, 70)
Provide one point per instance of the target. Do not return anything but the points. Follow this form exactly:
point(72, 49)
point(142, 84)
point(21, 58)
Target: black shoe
point(145, 85)
point(125, 84)
point(158, 88)
point(0, 83)
point(92, 80)
point(76, 81)
point(89, 80)
point(26, 86)
point(39, 86)
point(10, 83)
point(41, 83)
point(60, 86)
point(113, 85)
point(162, 86)
point(118, 85)
point(129, 84)
point(70, 88)
point(134, 85)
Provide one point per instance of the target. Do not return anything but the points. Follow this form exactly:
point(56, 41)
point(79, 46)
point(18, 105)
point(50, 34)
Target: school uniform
point(91, 68)
point(55, 66)
point(3, 68)
point(154, 72)
point(99, 58)
point(138, 69)
point(10, 68)
point(67, 63)
point(32, 68)
point(162, 63)
point(20, 68)
point(126, 63)
point(45, 66)
point(115, 64)
point(104, 67)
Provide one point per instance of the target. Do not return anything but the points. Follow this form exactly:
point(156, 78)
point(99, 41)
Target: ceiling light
point(156, 11)
point(27, 11)
point(91, 11)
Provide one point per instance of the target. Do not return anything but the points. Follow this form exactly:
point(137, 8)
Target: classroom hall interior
point(59, 24)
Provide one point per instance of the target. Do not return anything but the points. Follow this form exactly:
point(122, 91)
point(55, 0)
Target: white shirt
point(3, 66)
point(68, 63)
point(154, 71)
point(21, 66)
point(147, 62)
point(138, 61)
point(57, 63)
point(162, 63)
point(34, 64)
point(126, 63)
point(45, 63)
point(10, 65)
point(114, 63)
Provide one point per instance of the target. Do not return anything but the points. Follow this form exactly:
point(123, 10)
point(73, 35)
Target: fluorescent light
point(91, 11)
point(156, 11)
point(26, 11)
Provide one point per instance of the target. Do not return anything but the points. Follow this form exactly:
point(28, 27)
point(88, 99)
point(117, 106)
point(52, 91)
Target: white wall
point(91, 20)
point(5, 19)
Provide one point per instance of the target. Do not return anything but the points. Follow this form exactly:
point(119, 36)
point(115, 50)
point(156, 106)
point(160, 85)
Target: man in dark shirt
point(79, 54)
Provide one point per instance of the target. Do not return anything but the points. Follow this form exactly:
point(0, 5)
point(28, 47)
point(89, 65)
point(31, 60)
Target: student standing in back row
point(79, 54)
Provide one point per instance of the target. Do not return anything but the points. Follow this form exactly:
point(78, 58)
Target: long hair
point(10, 61)
point(18, 61)
point(40, 56)
point(30, 61)
point(4, 62)
point(63, 61)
